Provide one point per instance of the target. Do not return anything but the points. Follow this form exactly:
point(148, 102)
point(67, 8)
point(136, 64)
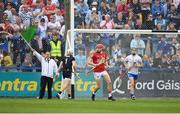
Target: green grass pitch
point(31, 105)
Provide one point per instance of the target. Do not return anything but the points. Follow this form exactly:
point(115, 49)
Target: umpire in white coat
point(48, 69)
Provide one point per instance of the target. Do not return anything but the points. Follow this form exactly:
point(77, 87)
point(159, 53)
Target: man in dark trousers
point(48, 68)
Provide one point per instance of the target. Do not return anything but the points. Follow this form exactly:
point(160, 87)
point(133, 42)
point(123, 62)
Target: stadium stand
point(48, 17)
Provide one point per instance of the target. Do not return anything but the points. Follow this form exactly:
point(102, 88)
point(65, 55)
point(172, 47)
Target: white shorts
point(98, 75)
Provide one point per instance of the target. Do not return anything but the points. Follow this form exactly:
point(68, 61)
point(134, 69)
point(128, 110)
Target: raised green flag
point(29, 33)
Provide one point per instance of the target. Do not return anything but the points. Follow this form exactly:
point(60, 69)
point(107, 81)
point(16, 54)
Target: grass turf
point(29, 105)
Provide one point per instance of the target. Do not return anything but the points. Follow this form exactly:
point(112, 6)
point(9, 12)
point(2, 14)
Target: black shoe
point(58, 95)
point(111, 98)
point(93, 97)
point(132, 96)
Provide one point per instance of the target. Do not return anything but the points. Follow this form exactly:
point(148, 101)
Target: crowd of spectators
point(48, 17)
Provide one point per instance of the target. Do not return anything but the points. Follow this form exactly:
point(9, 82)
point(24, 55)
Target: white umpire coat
point(49, 67)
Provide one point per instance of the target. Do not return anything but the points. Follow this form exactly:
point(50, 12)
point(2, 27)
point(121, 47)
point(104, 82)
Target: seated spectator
point(107, 23)
point(145, 9)
point(53, 24)
point(78, 20)
point(135, 6)
point(27, 65)
point(123, 7)
point(49, 9)
point(157, 60)
point(26, 15)
point(6, 61)
point(104, 8)
point(8, 11)
point(18, 48)
point(167, 6)
point(7, 26)
point(116, 51)
point(170, 27)
point(119, 22)
point(157, 8)
point(94, 19)
point(42, 28)
point(82, 8)
point(174, 64)
point(149, 23)
point(164, 64)
point(161, 21)
point(178, 55)
point(173, 15)
point(147, 63)
point(138, 24)
point(162, 46)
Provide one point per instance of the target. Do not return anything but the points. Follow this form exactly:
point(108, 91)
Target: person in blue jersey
point(132, 63)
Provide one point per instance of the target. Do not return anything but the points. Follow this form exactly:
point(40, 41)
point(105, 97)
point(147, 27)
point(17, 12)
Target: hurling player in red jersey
point(98, 60)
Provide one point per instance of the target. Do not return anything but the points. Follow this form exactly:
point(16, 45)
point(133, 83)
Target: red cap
point(100, 46)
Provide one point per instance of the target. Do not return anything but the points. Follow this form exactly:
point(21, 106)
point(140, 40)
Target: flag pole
point(26, 42)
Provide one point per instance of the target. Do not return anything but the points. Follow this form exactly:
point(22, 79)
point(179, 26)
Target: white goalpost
point(70, 42)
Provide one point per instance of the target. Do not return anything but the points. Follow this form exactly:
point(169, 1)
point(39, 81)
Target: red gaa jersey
point(97, 57)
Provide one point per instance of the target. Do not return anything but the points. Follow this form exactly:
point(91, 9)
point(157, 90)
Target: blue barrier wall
point(26, 84)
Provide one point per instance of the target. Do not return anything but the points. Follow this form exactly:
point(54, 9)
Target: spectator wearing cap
point(157, 8)
point(161, 21)
point(94, 19)
point(81, 58)
point(94, 6)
